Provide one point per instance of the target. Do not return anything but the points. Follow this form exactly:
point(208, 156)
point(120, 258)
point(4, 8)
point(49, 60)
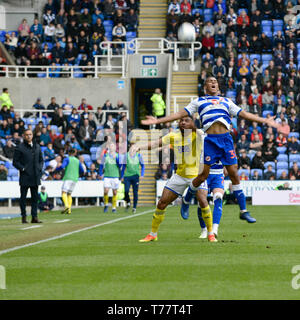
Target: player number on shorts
point(233, 155)
point(2, 278)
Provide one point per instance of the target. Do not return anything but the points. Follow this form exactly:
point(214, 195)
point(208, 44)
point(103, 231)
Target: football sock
point(114, 201)
point(207, 217)
point(217, 213)
point(157, 219)
point(201, 221)
point(69, 201)
point(65, 199)
point(190, 193)
point(240, 196)
point(105, 199)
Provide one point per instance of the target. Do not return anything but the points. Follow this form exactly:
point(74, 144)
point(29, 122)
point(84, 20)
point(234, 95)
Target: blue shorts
point(219, 147)
point(213, 181)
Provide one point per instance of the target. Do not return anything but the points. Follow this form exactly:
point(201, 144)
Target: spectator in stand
point(256, 144)
point(208, 43)
point(266, 43)
point(131, 20)
point(84, 105)
point(172, 21)
point(293, 146)
point(163, 172)
point(269, 151)
point(243, 43)
point(48, 17)
point(23, 30)
point(269, 174)
point(185, 6)
point(9, 150)
point(86, 135)
point(219, 67)
point(256, 176)
point(71, 53)
point(67, 107)
point(244, 161)
point(283, 176)
point(258, 161)
point(294, 171)
point(281, 140)
point(3, 172)
point(284, 128)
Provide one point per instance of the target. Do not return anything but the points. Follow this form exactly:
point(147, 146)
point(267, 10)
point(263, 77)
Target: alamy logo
point(2, 278)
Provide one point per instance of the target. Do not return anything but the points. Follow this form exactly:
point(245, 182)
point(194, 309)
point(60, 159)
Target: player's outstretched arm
point(252, 117)
point(149, 146)
point(172, 117)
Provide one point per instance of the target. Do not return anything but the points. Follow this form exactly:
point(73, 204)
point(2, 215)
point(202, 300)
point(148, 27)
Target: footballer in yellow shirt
point(187, 144)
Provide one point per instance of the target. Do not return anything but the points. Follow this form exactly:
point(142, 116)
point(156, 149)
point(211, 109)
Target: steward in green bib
point(158, 104)
point(43, 202)
point(134, 168)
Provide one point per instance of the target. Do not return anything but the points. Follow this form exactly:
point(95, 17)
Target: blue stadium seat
point(281, 150)
point(231, 94)
point(266, 112)
point(279, 172)
point(208, 11)
point(272, 163)
point(41, 75)
point(282, 157)
point(266, 23)
point(255, 56)
point(77, 73)
point(282, 165)
point(13, 172)
point(278, 22)
point(54, 127)
point(294, 157)
point(266, 29)
point(87, 158)
point(266, 57)
point(14, 178)
point(246, 171)
point(294, 134)
point(194, 11)
point(43, 148)
point(240, 10)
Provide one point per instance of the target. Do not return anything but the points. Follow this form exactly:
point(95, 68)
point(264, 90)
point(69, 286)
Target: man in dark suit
point(28, 160)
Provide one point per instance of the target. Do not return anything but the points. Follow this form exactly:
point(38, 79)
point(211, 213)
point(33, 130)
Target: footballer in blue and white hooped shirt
point(215, 112)
point(215, 185)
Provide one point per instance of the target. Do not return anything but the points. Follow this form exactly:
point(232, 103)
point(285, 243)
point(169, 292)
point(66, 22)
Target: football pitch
point(92, 255)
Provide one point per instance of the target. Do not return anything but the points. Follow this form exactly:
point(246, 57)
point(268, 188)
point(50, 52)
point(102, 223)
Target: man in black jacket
point(28, 160)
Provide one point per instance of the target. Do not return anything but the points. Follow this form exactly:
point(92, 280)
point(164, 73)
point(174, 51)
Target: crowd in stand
point(70, 32)
point(61, 127)
point(253, 48)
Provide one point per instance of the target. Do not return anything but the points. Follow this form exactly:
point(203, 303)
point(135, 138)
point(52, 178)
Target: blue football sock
point(201, 221)
point(189, 195)
point(240, 196)
point(217, 214)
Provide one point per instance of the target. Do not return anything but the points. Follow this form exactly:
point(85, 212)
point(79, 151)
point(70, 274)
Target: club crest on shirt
point(207, 158)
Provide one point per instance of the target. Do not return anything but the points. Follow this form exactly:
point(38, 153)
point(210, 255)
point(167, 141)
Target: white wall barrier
point(83, 189)
point(276, 198)
point(250, 187)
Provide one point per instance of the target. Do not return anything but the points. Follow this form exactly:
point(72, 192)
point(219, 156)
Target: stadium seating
point(279, 172)
point(272, 163)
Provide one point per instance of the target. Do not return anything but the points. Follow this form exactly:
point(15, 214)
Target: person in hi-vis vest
point(158, 104)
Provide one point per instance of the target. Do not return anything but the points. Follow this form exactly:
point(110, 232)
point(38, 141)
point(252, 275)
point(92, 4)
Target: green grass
point(250, 261)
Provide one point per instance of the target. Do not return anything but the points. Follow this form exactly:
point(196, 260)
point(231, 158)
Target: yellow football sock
point(105, 199)
point(114, 201)
point(70, 200)
point(207, 217)
point(157, 219)
point(65, 199)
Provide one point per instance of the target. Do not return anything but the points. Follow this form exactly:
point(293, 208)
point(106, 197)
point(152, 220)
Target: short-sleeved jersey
point(187, 151)
point(213, 109)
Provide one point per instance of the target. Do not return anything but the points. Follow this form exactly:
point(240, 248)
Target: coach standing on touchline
point(28, 160)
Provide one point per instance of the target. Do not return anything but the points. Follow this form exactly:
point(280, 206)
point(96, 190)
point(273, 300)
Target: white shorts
point(111, 183)
point(68, 186)
point(178, 184)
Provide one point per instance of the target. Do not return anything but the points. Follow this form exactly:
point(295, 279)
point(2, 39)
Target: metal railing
point(180, 102)
point(114, 60)
point(38, 113)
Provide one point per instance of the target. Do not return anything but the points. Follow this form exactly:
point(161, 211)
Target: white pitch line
point(73, 232)
point(61, 221)
point(32, 227)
